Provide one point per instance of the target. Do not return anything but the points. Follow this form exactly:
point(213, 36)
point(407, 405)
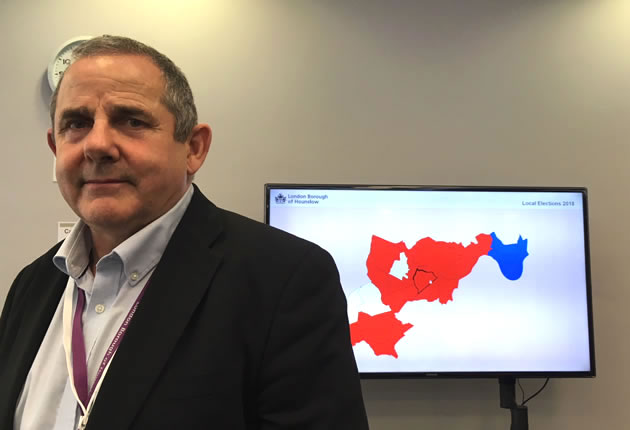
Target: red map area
point(435, 269)
point(442, 263)
point(382, 332)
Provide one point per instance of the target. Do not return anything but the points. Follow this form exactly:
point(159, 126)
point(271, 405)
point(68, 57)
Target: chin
point(108, 217)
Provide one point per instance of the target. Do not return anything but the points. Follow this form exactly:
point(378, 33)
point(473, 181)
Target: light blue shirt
point(47, 401)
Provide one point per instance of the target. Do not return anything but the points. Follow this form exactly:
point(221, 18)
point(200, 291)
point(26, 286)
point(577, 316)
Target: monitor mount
point(507, 393)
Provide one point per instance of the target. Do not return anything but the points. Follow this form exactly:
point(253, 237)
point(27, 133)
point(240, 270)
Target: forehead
point(99, 80)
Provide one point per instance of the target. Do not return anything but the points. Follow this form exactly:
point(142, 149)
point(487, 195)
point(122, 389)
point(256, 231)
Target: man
point(160, 310)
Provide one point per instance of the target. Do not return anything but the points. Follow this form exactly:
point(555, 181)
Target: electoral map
point(429, 270)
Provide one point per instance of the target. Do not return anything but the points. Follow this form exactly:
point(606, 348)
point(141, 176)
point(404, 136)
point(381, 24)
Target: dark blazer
point(242, 327)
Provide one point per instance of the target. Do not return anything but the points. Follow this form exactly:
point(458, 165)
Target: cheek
point(68, 157)
point(63, 170)
point(163, 167)
point(67, 169)
point(66, 184)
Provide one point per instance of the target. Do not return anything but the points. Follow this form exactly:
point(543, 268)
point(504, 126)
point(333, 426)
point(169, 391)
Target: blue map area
point(510, 257)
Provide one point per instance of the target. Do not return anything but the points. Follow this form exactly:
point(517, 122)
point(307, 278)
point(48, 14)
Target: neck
point(103, 243)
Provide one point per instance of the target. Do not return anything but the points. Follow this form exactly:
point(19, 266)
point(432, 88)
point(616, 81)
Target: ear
point(198, 146)
point(51, 141)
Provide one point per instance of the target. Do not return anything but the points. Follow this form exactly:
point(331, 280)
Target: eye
point(135, 123)
point(77, 124)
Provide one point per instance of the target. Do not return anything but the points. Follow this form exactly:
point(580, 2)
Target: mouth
point(104, 180)
point(104, 183)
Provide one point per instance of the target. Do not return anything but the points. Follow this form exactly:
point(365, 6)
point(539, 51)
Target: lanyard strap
point(78, 351)
point(74, 346)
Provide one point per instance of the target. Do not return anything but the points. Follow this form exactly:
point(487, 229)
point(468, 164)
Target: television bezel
point(530, 189)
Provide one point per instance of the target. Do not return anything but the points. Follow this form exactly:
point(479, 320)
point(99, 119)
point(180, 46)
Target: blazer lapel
point(178, 284)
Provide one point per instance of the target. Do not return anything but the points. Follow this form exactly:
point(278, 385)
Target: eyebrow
point(114, 112)
point(122, 111)
point(70, 113)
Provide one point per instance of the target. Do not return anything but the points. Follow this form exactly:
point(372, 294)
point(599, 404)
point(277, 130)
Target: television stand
point(507, 393)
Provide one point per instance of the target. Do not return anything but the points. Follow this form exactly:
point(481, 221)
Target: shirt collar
point(138, 253)
point(73, 256)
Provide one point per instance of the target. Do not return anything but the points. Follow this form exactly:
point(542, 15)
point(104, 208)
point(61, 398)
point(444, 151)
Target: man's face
point(118, 165)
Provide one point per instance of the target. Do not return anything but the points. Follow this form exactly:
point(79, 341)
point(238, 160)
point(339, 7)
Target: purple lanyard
point(79, 361)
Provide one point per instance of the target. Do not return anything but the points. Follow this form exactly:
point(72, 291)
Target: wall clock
point(62, 59)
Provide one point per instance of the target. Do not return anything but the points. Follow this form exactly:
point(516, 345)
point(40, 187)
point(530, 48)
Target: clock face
point(62, 60)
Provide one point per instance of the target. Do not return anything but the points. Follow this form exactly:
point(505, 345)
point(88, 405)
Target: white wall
point(490, 92)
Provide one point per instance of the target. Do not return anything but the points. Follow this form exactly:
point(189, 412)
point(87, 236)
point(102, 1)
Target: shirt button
point(134, 276)
point(99, 309)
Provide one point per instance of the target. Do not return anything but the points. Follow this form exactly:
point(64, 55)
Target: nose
point(100, 144)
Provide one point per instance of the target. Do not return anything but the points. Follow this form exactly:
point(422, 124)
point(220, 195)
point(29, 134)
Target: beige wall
point(483, 92)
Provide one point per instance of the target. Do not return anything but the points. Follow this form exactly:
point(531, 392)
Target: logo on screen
point(281, 199)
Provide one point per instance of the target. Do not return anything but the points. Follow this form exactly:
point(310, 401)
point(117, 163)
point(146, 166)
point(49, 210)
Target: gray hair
point(177, 96)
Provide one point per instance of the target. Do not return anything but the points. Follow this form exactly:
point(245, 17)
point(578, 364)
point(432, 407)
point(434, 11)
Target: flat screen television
point(454, 281)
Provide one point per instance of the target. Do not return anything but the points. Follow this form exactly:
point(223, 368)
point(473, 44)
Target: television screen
point(454, 281)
